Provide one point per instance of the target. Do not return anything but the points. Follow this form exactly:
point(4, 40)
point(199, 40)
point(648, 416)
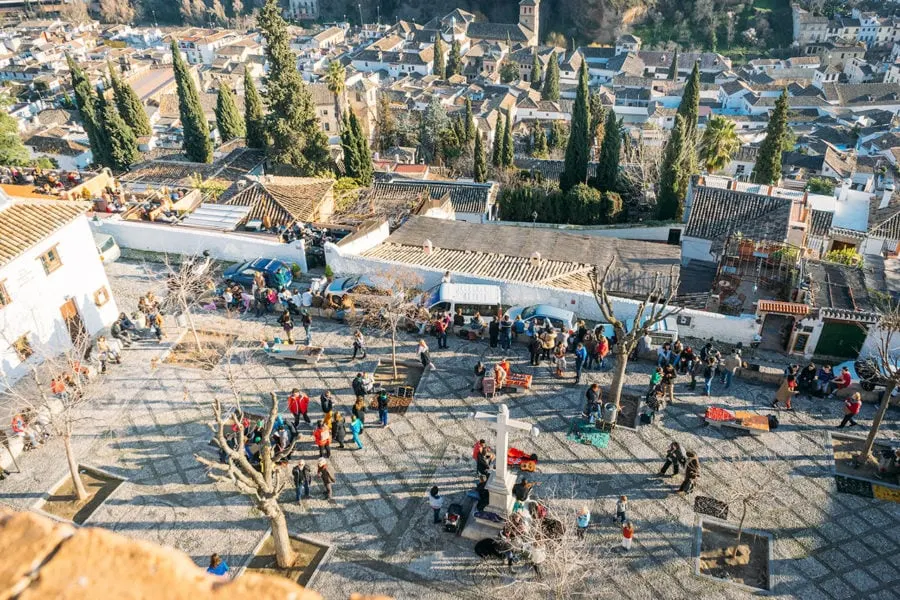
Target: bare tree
point(388, 312)
point(641, 163)
point(188, 283)
point(885, 366)
point(58, 413)
point(650, 311)
point(748, 494)
point(262, 483)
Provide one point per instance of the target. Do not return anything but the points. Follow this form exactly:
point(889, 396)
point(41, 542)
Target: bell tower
point(530, 17)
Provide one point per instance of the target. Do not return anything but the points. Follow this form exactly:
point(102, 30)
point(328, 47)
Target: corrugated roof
point(26, 223)
point(284, 200)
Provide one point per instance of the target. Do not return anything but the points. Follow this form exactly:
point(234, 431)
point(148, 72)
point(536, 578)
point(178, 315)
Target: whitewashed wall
point(724, 328)
point(36, 297)
point(233, 247)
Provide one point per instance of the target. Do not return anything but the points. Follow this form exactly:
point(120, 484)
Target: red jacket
point(322, 436)
point(843, 380)
point(852, 406)
point(298, 404)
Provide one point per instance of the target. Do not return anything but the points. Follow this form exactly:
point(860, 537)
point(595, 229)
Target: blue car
point(276, 273)
point(558, 317)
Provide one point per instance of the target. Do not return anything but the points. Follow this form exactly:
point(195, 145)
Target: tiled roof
point(49, 144)
point(820, 222)
point(497, 31)
point(284, 200)
point(465, 197)
point(862, 93)
point(786, 308)
point(889, 228)
point(502, 251)
point(718, 213)
point(26, 223)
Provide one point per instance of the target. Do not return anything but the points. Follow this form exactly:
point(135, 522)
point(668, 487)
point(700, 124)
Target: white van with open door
point(470, 298)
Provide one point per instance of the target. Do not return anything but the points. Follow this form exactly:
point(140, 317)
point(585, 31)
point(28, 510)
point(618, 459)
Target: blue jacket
point(581, 354)
point(356, 427)
point(584, 520)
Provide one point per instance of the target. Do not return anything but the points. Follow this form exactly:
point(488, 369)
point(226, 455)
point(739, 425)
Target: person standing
point(440, 329)
point(423, 354)
point(785, 393)
point(359, 411)
point(622, 509)
point(627, 535)
point(602, 351)
point(494, 333)
point(534, 349)
point(359, 386)
point(383, 400)
point(581, 356)
point(287, 323)
point(298, 405)
point(302, 479)
point(359, 344)
point(338, 429)
point(851, 409)
point(436, 502)
point(592, 403)
point(479, 371)
point(327, 478)
point(669, 375)
point(356, 428)
point(217, 566)
point(322, 439)
point(306, 323)
point(326, 400)
point(560, 357)
point(731, 364)
point(674, 458)
point(691, 472)
point(709, 371)
point(505, 332)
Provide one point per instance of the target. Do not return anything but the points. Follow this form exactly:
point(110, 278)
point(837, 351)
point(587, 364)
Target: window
point(23, 347)
point(4, 295)
point(50, 260)
point(101, 296)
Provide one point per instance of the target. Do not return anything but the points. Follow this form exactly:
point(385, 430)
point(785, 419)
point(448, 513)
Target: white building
point(52, 282)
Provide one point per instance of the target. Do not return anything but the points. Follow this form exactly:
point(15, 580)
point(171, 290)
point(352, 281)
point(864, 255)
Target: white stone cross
point(499, 485)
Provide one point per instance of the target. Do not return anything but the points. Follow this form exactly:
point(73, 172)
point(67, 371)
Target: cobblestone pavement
point(156, 419)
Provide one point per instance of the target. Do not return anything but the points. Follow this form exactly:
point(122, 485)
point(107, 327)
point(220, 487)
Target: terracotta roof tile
point(26, 223)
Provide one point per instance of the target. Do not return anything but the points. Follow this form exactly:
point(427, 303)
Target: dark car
point(276, 273)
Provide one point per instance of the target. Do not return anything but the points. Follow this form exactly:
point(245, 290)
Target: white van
point(107, 247)
point(470, 298)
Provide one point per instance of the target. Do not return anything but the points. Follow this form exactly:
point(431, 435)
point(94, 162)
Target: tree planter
point(184, 351)
point(630, 411)
point(750, 570)
point(860, 480)
point(400, 389)
point(62, 504)
point(311, 554)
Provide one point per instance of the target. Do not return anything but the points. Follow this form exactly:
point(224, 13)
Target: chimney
point(845, 189)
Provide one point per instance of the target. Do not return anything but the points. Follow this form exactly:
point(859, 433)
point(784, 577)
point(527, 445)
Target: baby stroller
point(453, 517)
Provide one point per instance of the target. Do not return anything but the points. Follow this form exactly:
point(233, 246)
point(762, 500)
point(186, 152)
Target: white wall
point(703, 324)
point(36, 297)
point(234, 247)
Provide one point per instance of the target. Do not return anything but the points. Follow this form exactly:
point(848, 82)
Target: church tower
point(530, 18)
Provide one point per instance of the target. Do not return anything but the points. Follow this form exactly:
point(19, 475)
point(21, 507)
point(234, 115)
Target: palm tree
point(718, 144)
point(335, 78)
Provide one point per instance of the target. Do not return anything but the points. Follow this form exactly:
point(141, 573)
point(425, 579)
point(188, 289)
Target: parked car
point(107, 247)
point(276, 273)
point(469, 298)
point(559, 317)
point(358, 284)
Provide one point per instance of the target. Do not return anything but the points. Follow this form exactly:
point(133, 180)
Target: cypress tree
point(292, 127)
point(228, 118)
point(130, 108)
point(689, 109)
point(498, 142)
point(610, 150)
point(197, 145)
point(508, 148)
point(439, 67)
point(768, 163)
point(578, 149)
point(551, 80)
point(669, 202)
point(85, 101)
point(480, 166)
point(673, 68)
point(351, 149)
point(454, 61)
point(254, 121)
point(123, 151)
point(470, 122)
point(366, 172)
point(539, 148)
point(536, 73)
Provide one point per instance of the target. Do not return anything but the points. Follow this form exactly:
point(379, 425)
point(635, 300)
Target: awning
point(782, 308)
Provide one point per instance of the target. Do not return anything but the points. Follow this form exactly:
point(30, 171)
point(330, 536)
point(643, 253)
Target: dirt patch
point(845, 449)
point(64, 503)
point(628, 411)
point(748, 566)
point(309, 556)
point(401, 389)
point(213, 346)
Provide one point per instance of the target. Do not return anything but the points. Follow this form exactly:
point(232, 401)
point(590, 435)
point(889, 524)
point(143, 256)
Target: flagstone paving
point(155, 419)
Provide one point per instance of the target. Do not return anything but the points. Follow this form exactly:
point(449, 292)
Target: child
point(436, 501)
point(583, 520)
point(622, 509)
point(627, 535)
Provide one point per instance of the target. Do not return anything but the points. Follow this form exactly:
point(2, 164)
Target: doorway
point(74, 324)
point(776, 331)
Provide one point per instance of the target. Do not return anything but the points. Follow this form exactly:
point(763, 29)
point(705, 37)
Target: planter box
point(305, 575)
point(100, 485)
point(715, 526)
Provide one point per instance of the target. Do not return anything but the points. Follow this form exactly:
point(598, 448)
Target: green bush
point(846, 256)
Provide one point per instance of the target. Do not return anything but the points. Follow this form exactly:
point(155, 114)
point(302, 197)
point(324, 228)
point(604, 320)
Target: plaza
point(155, 417)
